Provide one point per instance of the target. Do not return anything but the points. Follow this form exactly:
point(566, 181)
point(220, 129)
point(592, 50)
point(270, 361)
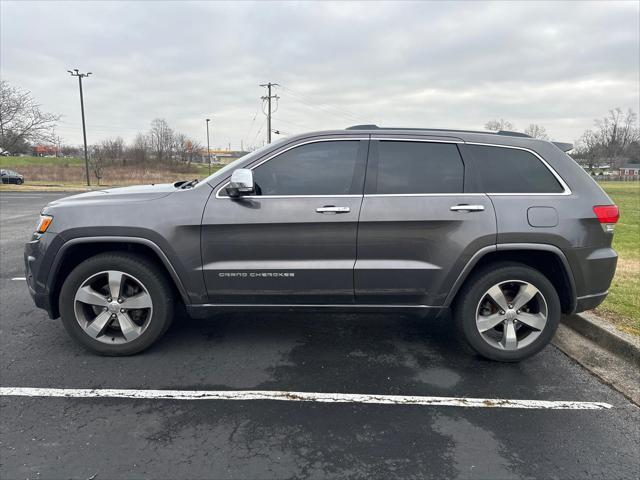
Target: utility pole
point(80, 76)
point(268, 98)
point(208, 148)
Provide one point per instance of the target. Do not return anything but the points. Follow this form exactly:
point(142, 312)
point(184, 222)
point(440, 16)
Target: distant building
point(630, 170)
point(221, 156)
point(45, 150)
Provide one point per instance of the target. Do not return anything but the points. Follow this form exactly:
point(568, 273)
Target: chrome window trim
point(563, 184)
point(461, 194)
point(566, 190)
point(272, 156)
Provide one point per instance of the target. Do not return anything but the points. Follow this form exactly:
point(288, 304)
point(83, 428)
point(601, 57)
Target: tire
point(101, 323)
point(19, 181)
point(533, 325)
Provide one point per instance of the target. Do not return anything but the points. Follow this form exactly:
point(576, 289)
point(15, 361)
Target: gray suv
point(505, 230)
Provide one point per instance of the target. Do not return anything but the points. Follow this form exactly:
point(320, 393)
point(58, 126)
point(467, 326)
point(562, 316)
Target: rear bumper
point(589, 302)
point(593, 270)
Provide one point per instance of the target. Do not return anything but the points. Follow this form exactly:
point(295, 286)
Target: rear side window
point(321, 168)
point(507, 170)
point(417, 167)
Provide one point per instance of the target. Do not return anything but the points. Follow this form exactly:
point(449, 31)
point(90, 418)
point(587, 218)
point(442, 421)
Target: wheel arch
point(75, 251)
point(548, 259)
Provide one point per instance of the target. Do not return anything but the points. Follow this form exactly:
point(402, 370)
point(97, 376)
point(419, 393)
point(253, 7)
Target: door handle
point(332, 209)
point(467, 208)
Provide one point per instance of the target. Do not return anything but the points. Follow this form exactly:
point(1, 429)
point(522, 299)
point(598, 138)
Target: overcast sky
point(441, 64)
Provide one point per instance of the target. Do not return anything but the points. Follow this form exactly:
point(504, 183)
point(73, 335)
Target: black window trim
point(291, 147)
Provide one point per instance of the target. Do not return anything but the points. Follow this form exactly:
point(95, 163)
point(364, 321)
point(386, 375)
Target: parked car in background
point(505, 230)
point(5, 153)
point(9, 176)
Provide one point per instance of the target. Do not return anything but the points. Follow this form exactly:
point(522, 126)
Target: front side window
point(509, 170)
point(321, 168)
point(417, 167)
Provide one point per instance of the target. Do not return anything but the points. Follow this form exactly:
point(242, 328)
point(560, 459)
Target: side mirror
point(241, 183)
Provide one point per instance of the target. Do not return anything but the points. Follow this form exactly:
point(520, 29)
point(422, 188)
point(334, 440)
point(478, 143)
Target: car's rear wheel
point(116, 304)
point(507, 312)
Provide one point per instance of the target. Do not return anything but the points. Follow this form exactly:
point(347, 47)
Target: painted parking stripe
point(247, 395)
point(19, 279)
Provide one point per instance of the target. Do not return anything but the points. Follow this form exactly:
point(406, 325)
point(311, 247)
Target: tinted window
point(322, 168)
point(507, 170)
point(418, 167)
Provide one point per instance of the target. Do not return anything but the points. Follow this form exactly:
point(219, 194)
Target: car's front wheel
point(507, 312)
point(116, 304)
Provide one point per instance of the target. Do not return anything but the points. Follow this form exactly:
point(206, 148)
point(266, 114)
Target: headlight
point(43, 223)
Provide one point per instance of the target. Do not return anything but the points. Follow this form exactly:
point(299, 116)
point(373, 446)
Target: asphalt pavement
point(382, 354)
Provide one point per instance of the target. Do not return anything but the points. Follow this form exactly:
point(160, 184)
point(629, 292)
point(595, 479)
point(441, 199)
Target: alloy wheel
point(511, 315)
point(113, 307)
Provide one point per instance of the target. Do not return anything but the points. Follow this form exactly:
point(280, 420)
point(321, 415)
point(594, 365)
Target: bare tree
point(616, 132)
point(21, 120)
point(498, 125)
point(139, 151)
point(161, 139)
point(187, 149)
point(588, 149)
point(536, 131)
point(113, 150)
point(98, 161)
point(615, 140)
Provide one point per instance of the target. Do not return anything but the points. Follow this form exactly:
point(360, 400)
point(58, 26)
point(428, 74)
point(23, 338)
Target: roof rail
point(453, 130)
point(363, 127)
point(512, 134)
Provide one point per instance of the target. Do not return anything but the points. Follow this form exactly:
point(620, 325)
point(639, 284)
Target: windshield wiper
point(189, 184)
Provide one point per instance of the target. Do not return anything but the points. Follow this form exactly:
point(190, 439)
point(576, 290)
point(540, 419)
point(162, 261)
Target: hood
point(136, 193)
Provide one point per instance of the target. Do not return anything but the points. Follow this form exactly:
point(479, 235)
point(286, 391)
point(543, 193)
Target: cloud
point(437, 64)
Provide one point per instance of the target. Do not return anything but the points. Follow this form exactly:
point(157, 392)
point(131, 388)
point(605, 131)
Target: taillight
point(607, 215)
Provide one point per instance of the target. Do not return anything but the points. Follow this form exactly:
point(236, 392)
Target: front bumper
point(39, 254)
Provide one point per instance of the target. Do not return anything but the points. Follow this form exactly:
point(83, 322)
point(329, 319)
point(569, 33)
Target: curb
point(605, 335)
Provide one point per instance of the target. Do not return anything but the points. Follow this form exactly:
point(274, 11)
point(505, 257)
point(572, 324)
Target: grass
point(52, 173)
point(17, 162)
point(622, 306)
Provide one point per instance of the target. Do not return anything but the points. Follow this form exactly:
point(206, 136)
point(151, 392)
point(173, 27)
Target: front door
point(419, 225)
point(294, 240)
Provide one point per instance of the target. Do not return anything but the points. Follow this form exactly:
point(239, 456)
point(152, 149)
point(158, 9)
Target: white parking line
point(298, 397)
point(19, 279)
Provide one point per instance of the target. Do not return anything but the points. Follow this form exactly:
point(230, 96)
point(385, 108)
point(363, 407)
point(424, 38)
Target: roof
point(631, 165)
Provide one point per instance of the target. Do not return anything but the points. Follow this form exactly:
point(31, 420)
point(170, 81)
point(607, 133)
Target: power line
point(253, 122)
point(257, 133)
point(326, 107)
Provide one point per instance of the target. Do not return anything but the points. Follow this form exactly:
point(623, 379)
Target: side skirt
point(209, 309)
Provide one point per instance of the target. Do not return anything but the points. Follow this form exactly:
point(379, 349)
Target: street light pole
point(80, 76)
point(208, 148)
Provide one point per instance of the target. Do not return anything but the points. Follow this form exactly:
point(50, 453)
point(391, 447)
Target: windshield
point(216, 176)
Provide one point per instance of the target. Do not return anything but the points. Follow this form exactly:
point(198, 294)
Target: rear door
point(418, 226)
point(294, 241)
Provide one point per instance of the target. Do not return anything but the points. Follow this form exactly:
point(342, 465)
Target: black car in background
point(9, 176)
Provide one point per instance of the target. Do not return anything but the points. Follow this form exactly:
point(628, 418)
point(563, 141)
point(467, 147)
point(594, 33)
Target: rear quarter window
point(508, 170)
